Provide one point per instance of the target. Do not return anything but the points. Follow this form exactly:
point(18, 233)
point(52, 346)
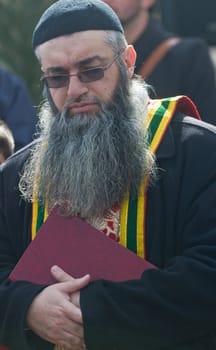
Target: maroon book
point(78, 248)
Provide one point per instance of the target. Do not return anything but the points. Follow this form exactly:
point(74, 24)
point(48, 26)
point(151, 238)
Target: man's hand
point(61, 276)
point(55, 315)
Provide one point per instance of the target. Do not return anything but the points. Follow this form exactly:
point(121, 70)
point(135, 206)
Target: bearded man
point(105, 146)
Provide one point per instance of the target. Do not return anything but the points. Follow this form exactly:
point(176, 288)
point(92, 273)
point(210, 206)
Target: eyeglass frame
point(101, 69)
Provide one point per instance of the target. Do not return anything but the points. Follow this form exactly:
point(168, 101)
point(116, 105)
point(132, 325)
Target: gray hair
point(115, 40)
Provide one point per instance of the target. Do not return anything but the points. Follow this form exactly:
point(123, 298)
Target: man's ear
point(147, 4)
point(129, 57)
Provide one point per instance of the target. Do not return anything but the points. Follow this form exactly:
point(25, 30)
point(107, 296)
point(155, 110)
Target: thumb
point(61, 276)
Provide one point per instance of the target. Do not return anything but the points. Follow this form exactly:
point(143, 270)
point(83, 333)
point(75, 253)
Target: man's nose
point(76, 88)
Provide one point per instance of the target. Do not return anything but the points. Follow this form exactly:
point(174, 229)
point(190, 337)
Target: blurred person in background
point(6, 142)
point(180, 66)
point(16, 108)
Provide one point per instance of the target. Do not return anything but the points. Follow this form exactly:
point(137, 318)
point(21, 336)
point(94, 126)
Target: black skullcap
point(71, 16)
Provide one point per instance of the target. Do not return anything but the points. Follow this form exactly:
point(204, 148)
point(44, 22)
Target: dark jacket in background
point(16, 108)
point(187, 69)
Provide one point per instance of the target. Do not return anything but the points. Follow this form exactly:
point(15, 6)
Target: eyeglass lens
point(86, 76)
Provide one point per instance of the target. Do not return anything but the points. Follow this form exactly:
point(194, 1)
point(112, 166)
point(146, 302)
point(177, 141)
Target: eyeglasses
point(85, 76)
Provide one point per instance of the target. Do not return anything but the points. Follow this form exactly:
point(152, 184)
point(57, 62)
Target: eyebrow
point(88, 60)
point(84, 62)
point(56, 69)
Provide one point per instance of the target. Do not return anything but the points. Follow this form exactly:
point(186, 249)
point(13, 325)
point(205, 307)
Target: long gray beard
point(86, 163)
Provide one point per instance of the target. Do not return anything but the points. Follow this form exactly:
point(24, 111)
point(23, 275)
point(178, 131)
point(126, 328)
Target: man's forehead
point(89, 40)
point(77, 48)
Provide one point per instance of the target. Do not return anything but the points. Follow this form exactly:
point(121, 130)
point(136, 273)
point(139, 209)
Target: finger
point(66, 339)
point(60, 275)
point(70, 341)
point(74, 324)
point(74, 313)
point(73, 284)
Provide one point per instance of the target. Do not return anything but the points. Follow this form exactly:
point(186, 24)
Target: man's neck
point(136, 26)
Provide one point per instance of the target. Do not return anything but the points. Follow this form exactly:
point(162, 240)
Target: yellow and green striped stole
point(133, 211)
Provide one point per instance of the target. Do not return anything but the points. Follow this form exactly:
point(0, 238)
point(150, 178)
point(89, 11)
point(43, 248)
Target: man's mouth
point(87, 107)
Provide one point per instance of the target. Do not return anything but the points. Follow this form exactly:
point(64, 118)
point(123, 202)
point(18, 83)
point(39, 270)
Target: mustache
point(70, 102)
